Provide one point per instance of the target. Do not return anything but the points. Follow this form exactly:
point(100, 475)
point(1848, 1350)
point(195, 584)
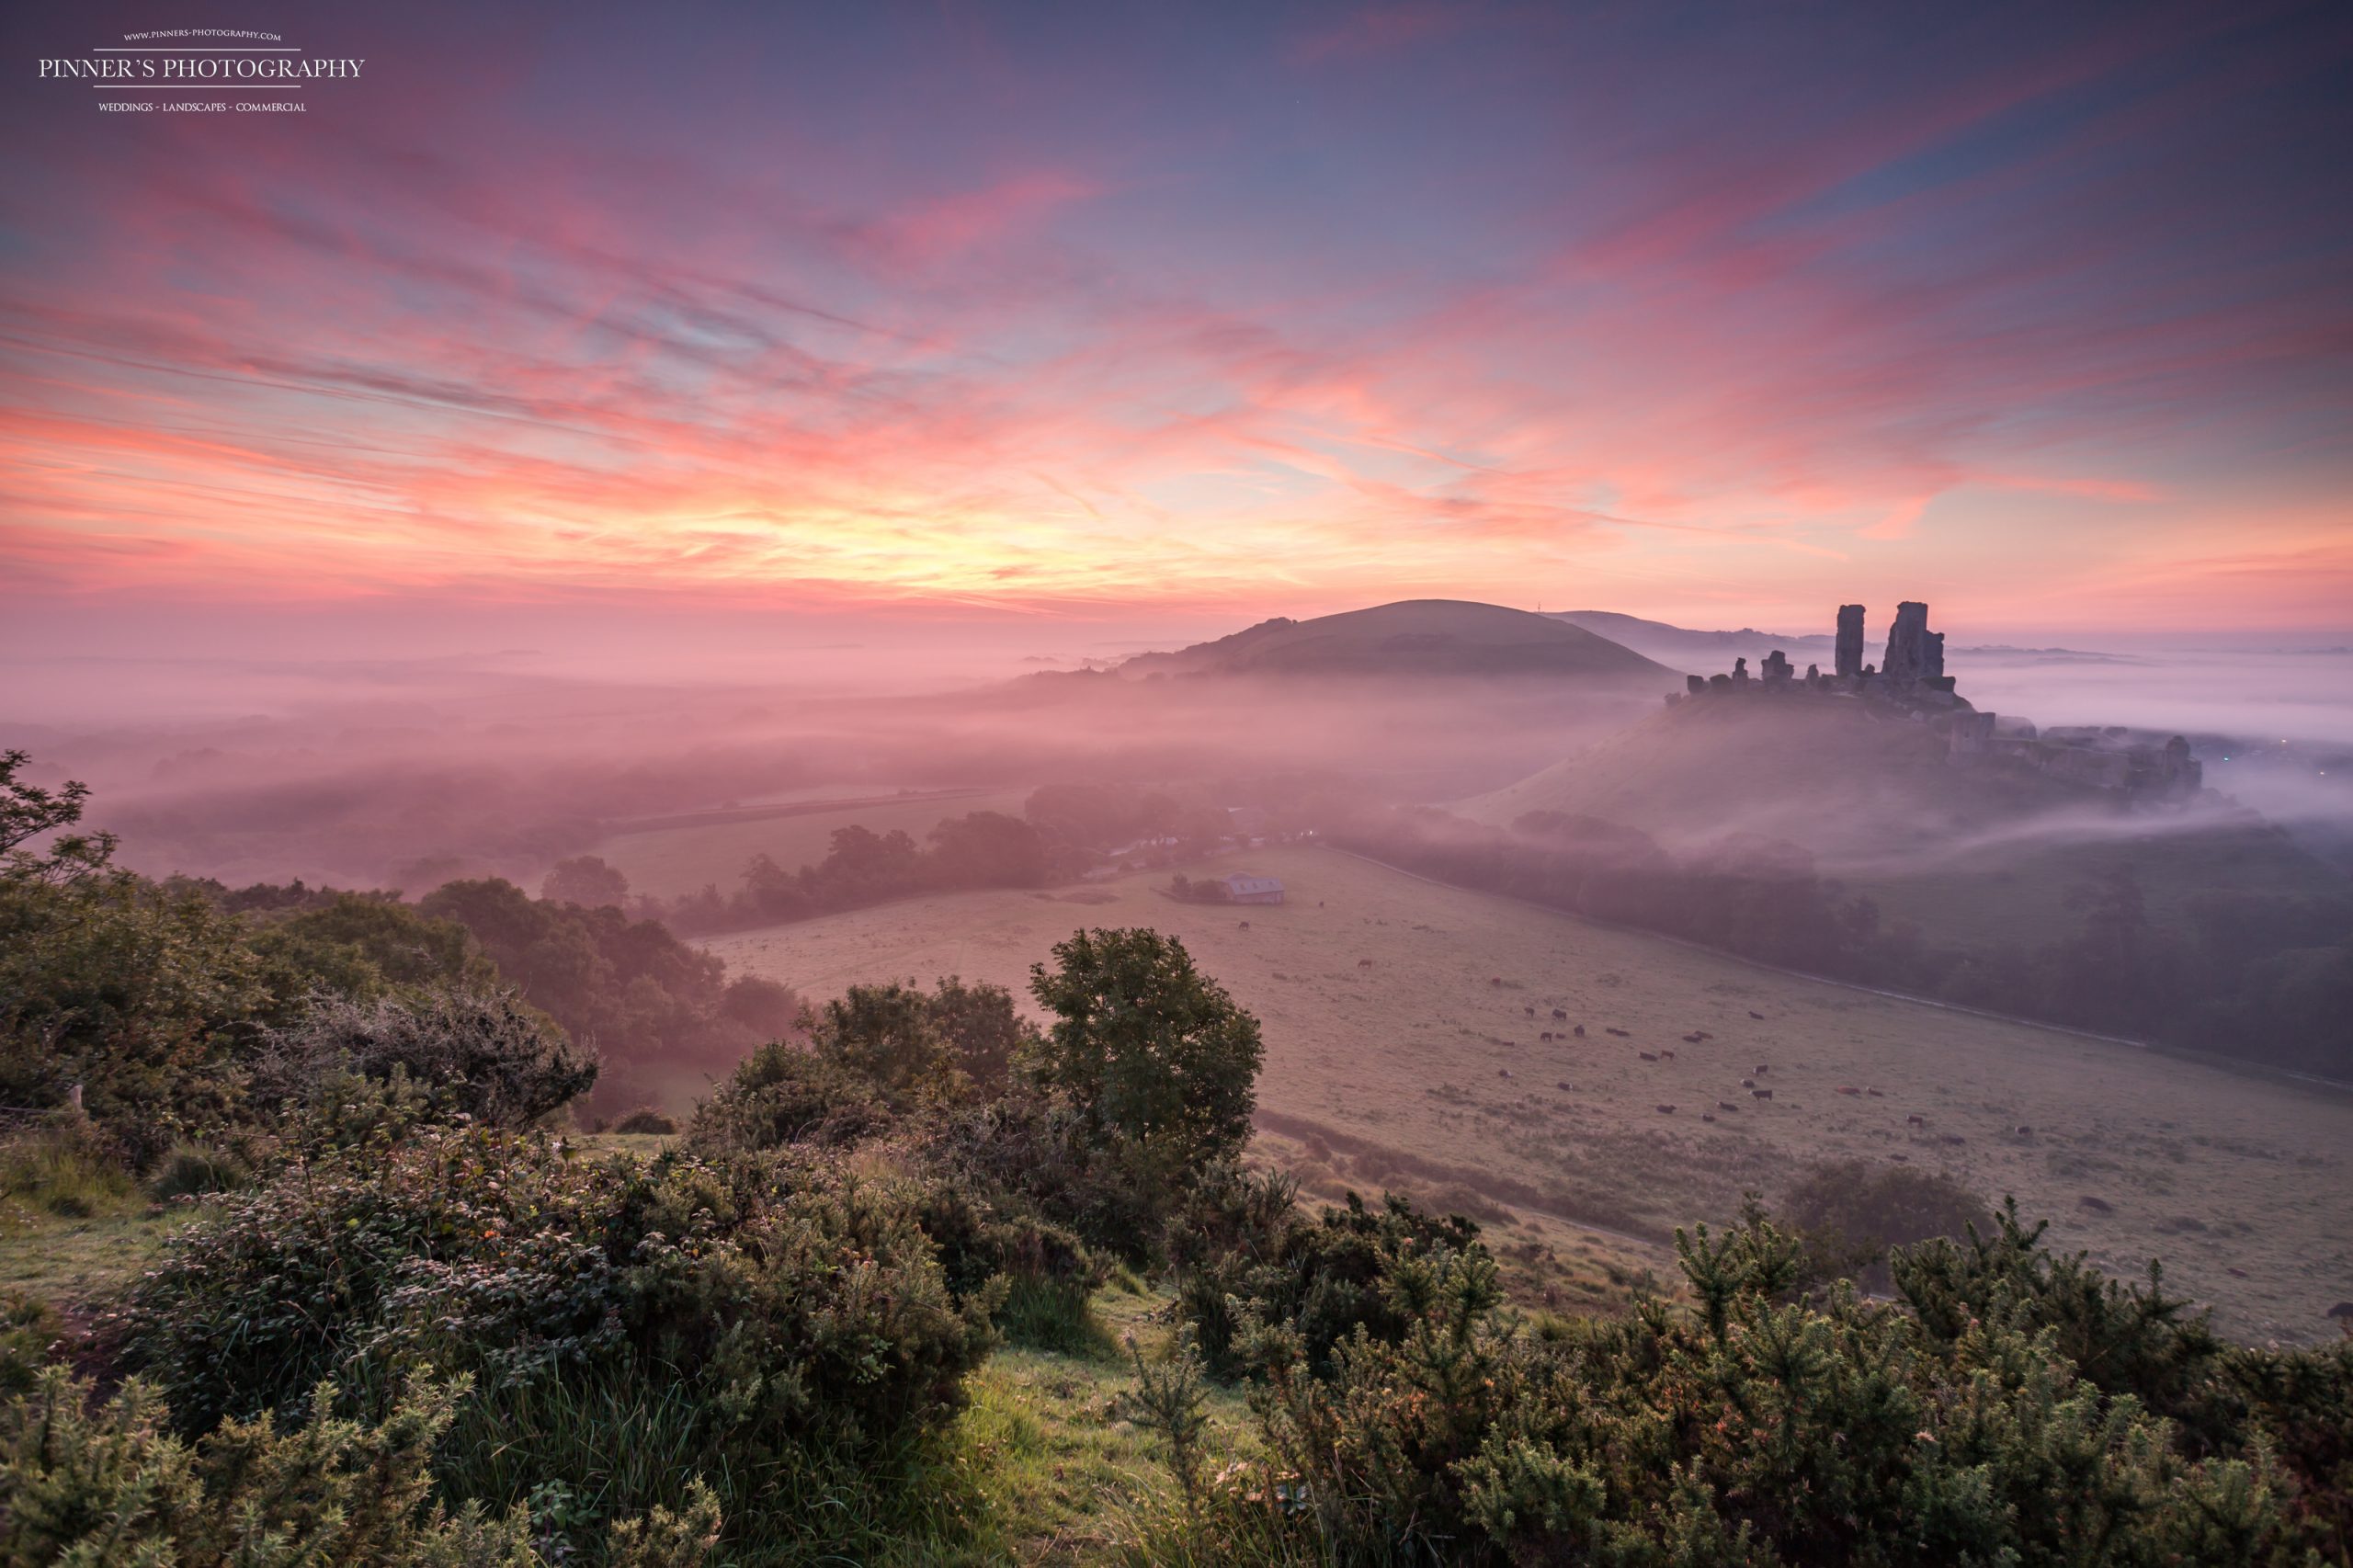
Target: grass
point(1057, 1470)
point(1394, 1069)
point(669, 861)
point(73, 1228)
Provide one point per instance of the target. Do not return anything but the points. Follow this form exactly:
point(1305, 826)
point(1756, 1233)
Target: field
point(1402, 1048)
point(684, 854)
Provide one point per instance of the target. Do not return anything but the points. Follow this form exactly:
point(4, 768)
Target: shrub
point(1245, 1257)
point(1850, 1213)
point(784, 1094)
point(646, 1119)
point(82, 1482)
point(28, 1326)
point(1759, 1430)
point(194, 1170)
point(495, 1059)
point(751, 1319)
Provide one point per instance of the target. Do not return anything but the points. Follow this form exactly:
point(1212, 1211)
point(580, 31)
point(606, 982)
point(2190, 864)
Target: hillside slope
point(1386, 1027)
point(1412, 637)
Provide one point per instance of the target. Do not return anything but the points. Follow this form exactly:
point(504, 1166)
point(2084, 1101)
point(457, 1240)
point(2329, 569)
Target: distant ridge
point(1412, 637)
point(1683, 644)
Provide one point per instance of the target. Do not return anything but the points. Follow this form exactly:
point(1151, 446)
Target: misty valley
point(1401, 1071)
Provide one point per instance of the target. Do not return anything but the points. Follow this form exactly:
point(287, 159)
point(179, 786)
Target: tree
point(1157, 1056)
point(983, 1030)
point(887, 1034)
point(586, 880)
point(28, 812)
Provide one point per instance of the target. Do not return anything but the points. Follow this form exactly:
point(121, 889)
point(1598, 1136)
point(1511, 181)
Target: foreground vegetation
point(926, 1282)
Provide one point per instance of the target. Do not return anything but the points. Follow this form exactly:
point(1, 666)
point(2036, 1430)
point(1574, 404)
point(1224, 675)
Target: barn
point(1241, 889)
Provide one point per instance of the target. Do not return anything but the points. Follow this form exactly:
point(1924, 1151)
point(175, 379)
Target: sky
point(1056, 326)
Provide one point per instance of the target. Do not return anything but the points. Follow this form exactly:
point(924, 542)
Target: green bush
point(2009, 1411)
point(1244, 1257)
point(494, 1059)
point(28, 1326)
point(195, 1170)
point(89, 1482)
point(1852, 1213)
point(747, 1319)
point(784, 1094)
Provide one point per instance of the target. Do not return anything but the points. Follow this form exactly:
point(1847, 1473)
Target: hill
point(1387, 1035)
point(1711, 651)
point(1682, 645)
point(1412, 637)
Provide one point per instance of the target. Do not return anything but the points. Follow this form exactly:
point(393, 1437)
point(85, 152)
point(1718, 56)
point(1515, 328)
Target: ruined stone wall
point(1914, 684)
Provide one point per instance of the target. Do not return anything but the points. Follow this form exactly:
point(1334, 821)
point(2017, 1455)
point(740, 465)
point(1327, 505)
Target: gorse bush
point(86, 1482)
point(2014, 1408)
point(742, 1319)
point(1244, 1258)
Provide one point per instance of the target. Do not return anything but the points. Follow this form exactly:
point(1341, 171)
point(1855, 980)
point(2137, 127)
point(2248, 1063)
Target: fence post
point(73, 1098)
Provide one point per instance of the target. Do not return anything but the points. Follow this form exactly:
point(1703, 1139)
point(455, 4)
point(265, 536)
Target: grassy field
point(683, 856)
point(1394, 1008)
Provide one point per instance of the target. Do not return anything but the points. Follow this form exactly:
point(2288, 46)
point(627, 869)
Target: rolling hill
point(1412, 637)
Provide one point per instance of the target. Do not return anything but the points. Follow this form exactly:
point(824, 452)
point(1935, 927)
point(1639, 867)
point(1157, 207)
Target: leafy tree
point(985, 1033)
point(988, 849)
point(1156, 1056)
point(587, 880)
point(887, 1035)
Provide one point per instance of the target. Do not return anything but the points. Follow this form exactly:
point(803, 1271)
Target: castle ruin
point(1912, 684)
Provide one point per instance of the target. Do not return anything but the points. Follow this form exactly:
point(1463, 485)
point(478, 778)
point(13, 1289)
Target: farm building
point(1241, 889)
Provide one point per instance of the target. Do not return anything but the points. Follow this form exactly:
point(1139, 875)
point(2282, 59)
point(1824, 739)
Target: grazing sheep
point(2023, 1130)
point(2236, 1273)
point(2342, 1310)
point(1578, 1031)
point(1757, 1016)
point(1760, 1094)
point(1667, 1055)
point(1762, 1069)
point(1621, 1034)
point(1850, 1089)
point(2096, 1205)
point(1546, 1038)
point(1726, 1104)
point(1916, 1120)
point(1364, 963)
point(1647, 1055)
point(1529, 1011)
point(1875, 1094)
point(1562, 1085)
point(1664, 1109)
point(1561, 1013)
point(1245, 925)
point(1494, 980)
point(1502, 1072)
point(1705, 1116)
point(1748, 1083)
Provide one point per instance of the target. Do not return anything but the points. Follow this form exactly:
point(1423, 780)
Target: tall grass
point(626, 1445)
point(57, 1170)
